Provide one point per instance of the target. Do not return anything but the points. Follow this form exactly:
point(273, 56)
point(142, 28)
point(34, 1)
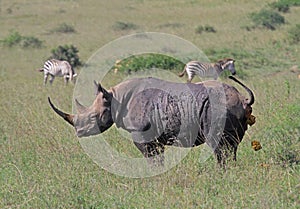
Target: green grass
point(42, 162)
point(294, 34)
point(15, 39)
point(268, 19)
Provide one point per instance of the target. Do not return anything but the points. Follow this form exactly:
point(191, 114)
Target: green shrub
point(12, 39)
point(280, 6)
point(209, 29)
point(148, 61)
point(294, 34)
point(30, 41)
point(289, 2)
point(206, 28)
point(16, 39)
point(267, 18)
point(292, 2)
point(64, 28)
point(124, 26)
point(284, 5)
point(67, 52)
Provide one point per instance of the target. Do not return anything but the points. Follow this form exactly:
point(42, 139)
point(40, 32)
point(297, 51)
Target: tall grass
point(42, 162)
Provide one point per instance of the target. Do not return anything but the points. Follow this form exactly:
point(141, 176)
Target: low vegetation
point(294, 34)
point(207, 28)
point(268, 19)
point(64, 28)
point(148, 62)
point(284, 5)
point(16, 39)
point(42, 162)
point(281, 6)
point(68, 53)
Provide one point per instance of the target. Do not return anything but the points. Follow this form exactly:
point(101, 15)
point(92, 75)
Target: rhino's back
point(164, 106)
point(127, 90)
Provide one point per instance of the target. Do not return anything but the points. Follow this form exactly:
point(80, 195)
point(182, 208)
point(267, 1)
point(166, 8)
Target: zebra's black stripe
point(193, 68)
point(59, 68)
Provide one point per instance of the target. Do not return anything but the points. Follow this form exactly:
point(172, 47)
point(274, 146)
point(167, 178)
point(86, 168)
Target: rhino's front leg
point(153, 151)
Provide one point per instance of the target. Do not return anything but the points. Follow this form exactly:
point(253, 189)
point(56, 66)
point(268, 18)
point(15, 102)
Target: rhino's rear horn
point(69, 118)
point(80, 107)
point(99, 89)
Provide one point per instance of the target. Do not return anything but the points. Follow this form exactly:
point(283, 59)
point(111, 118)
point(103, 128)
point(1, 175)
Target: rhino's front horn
point(69, 118)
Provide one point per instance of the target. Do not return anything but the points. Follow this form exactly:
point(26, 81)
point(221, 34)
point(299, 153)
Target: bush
point(289, 2)
point(148, 61)
point(68, 53)
point(284, 5)
point(30, 41)
point(294, 34)
point(267, 18)
point(11, 40)
point(16, 39)
point(280, 6)
point(206, 28)
point(64, 28)
point(124, 26)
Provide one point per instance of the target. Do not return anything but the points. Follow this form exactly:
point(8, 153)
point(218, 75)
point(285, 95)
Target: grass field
point(42, 164)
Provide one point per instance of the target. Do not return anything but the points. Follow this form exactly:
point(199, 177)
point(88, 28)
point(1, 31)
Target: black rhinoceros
point(159, 113)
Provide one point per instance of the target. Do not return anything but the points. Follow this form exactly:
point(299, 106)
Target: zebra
point(208, 69)
point(61, 68)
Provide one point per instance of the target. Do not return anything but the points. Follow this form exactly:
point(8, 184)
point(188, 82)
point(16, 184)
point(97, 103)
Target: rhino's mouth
point(86, 125)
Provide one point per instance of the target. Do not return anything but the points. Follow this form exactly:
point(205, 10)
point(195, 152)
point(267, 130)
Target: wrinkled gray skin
point(159, 113)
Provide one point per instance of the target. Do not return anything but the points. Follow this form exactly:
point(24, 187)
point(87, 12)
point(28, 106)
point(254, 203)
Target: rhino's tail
point(247, 89)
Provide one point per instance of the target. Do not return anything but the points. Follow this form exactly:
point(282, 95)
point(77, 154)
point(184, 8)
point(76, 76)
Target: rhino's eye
point(105, 115)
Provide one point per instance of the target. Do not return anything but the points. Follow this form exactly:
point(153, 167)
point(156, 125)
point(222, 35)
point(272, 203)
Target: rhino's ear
point(100, 89)
point(80, 108)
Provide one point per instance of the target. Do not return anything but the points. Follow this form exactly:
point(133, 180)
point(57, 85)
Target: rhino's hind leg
point(153, 151)
point(226, 150)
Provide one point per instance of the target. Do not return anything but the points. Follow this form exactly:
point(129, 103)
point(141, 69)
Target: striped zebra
point(54, 67)
point(208, 69)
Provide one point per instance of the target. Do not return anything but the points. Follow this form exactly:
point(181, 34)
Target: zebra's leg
point(190, 77)
point(74, 80)
point(51, 78)
point(45, 78)
point(66, 79)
